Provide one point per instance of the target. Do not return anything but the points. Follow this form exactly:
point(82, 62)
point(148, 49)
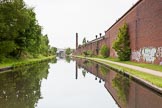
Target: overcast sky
point(61, 19)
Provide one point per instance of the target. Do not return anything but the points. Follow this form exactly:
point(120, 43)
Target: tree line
point(20, 32)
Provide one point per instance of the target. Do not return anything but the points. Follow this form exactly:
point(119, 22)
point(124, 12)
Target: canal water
point(73, 83)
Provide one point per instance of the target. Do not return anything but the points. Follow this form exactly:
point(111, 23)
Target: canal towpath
point(141, 69)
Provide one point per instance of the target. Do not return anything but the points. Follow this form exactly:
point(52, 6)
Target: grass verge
point(22, 62)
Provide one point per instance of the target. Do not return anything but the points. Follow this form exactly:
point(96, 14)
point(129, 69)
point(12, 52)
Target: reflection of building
point(61, 53)
point(126, 93)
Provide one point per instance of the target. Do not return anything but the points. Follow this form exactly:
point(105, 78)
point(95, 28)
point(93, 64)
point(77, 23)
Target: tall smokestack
point(76, 40)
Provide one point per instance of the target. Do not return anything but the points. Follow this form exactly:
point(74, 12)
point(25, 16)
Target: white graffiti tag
point(159, 52)
point(136, 55)
point(149, 54)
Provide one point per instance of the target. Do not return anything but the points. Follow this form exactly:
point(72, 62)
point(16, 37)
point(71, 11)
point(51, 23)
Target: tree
point(84, 41)
point(104, 51)
point(53, 50)
point(20, 33)
point(68, 51)
point(44, 45)
point(13, 20)
point(122, 44)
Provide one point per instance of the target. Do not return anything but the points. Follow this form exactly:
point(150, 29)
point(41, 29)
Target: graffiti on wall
point(136, 55)
point(147, 54)
point(159, 52)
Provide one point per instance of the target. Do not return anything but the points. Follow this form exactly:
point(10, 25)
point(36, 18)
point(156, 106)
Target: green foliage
point(88, 63)
point(24, 91)
point(104, 70)
point(20, 32)
point(68, 51)
point(53, 50)
point(121, 84)
point(84, 72)
point(84, 41)
point(68, 59)
point(104, 51)
point(122, 44)
point(88, 53)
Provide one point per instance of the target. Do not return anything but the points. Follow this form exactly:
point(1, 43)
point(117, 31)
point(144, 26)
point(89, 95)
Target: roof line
point(125, 14)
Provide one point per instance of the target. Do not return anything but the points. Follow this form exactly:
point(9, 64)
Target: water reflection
point(25, 87)
point(68, 59)
point(21, 87)
point(121, 85)
point(126, 93)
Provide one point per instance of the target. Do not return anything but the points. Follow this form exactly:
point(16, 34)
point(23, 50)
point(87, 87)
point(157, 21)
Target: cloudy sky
point(61, 19)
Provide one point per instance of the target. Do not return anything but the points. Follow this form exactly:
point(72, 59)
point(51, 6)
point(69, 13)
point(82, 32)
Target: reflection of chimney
point(76, 40)
point(76, 68)
point(96, 36)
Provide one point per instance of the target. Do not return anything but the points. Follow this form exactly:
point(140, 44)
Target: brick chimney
point(76, 40)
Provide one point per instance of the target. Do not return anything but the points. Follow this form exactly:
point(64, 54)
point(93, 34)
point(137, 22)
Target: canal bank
point(152, 81)
point(19, 63)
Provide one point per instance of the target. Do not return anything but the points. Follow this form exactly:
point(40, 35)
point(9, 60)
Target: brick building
point(144, 22)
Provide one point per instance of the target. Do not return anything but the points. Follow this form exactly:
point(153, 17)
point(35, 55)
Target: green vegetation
point(155, 80)
point(104, 70)
point(68, 59)
point(23, 62)
point(68, 51)
point(24, 91)
point(88, 53)
point(144, 65)
point(88, 63)
point(84, 72)
point(20, 33)
point(84, 41)
point(104, 51)
point(122, 44)
point(121, 84)
point(53, 50)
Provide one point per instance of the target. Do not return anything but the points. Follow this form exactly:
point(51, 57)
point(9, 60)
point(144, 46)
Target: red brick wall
point(145, 29)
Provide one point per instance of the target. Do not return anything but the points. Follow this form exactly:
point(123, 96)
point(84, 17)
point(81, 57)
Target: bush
point(88, 53)
point(122, 44)
point(104, 51)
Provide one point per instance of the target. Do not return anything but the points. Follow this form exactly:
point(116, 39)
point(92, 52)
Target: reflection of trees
point(54, 60)
point(21, 88)
point(88, 63)
point(68, 59)
point(104, 70)
point(84, 72)
point(121, 84)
